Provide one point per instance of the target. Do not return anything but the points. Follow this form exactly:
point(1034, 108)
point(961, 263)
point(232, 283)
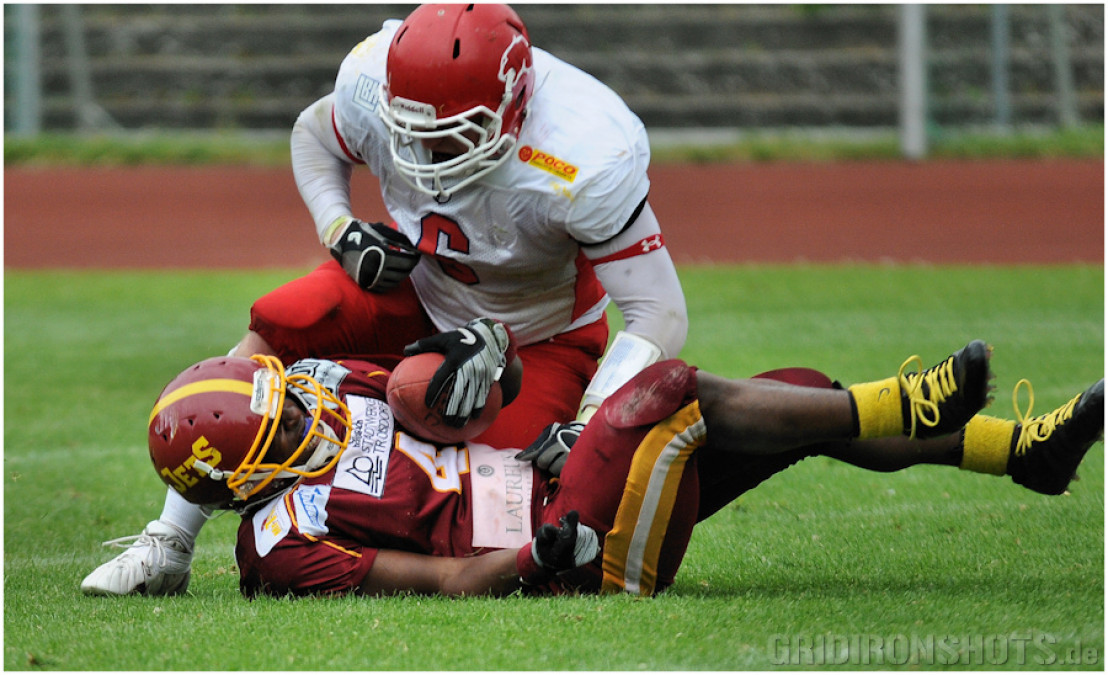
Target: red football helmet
point(213, 425)
point(463, 72)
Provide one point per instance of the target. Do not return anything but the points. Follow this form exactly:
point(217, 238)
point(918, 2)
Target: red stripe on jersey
point(342, 143)
point(640, 247)
point(587, 290)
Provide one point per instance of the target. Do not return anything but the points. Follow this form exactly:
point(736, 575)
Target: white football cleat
point(156, 562)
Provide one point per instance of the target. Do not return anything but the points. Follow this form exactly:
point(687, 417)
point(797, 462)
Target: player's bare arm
point(402, 572)
point(555, 549)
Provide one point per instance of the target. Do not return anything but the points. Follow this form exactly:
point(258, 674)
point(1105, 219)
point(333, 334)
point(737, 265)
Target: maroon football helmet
point(213, 426)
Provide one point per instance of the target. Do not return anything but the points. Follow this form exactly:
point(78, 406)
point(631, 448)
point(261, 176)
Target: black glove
point(559, 549)
point(551, 449)
point(374, 255)
point(475, 358)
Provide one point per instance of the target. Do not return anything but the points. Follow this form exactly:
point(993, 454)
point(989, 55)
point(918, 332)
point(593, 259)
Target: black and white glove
point(551, 449)
point(475, 358)
point(560, 549)
point(376, 256)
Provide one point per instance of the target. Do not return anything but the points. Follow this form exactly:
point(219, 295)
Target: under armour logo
point(355, 238)
point(651, 243)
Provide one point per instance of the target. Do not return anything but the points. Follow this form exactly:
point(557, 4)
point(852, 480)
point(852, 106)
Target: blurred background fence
point(694, 69)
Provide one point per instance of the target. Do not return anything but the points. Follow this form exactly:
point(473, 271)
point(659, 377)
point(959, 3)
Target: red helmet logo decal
point(509, 75)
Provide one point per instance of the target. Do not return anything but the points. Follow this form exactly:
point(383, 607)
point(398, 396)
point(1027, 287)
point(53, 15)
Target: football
point(406, 388)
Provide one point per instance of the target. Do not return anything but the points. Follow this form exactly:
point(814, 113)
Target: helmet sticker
point(508, 75)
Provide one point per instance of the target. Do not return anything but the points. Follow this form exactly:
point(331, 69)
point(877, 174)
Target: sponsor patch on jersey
point(310, 502)
point(547, 162)
point(367, 92)
point(366, 461)
point(271, 525)
point(500, 486)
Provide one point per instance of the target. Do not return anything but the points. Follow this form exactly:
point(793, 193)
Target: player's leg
point(754, 416)
point(252, 344)
point(896, 453)
point(760, 416)
point(632, 477)
point(758, 427)
point(324, 314)
point(1041, 453)
point(633, 474)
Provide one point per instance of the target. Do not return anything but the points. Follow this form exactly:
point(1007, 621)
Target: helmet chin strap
point(209, 470)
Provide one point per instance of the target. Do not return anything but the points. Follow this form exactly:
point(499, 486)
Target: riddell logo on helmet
point(549, 163)
point(412, 111)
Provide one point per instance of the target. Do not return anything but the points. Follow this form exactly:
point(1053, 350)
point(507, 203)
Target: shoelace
point(1037, 429)
point(137, 540)
point(940, 383)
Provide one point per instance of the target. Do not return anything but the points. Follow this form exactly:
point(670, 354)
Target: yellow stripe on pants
point(632, 547)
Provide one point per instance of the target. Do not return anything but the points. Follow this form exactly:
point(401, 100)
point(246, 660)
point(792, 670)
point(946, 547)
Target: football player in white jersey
point(516, 188)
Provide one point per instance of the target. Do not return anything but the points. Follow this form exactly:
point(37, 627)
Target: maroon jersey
point(389, 490)
point(639, 474)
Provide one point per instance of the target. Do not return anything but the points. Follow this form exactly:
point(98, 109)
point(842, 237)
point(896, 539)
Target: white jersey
point(509, 245)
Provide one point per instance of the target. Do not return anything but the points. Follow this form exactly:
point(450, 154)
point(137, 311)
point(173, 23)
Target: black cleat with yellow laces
point(1047, 449)
point(942, 399)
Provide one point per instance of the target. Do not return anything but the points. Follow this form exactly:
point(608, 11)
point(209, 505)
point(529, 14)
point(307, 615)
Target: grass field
point(272, 149)
point(823, 566)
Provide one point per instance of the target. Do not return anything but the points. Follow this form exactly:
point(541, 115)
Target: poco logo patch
point(547, 162)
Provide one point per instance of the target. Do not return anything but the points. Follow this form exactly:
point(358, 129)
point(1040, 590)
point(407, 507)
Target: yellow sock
point(987, 444)
point(879, 409)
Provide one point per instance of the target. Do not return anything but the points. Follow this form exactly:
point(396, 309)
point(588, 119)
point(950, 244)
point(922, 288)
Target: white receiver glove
point(475, 358)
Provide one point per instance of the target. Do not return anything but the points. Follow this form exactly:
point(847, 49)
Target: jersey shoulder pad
point(583, 142)
point(364, 378)
point(358, 94)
